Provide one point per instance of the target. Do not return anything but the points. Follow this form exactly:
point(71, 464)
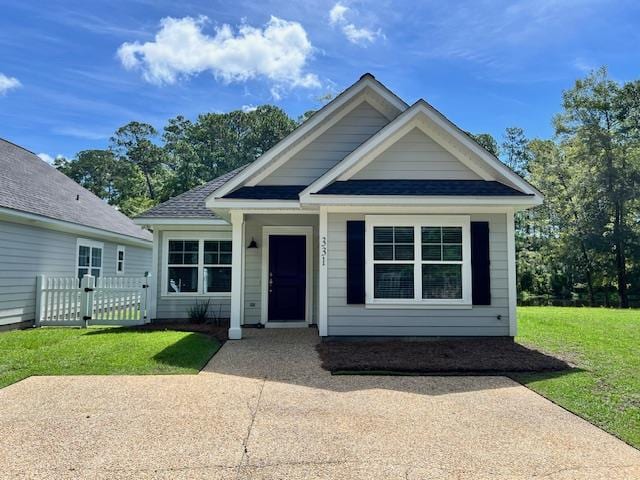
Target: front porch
point(275, 270)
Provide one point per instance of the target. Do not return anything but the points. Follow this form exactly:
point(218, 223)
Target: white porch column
point(323, 293)
point(511, 273)
point(237, 273)
point(154, 277)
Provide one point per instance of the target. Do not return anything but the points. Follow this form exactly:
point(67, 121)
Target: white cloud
point(358, 35)
point(278, 52)
point(8, 83)
point(337, 14)
point(48, 158)
point(248, 108)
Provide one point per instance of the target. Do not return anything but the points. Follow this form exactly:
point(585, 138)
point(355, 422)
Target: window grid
point(397, 244)
point(194, 254)
point(451, 235)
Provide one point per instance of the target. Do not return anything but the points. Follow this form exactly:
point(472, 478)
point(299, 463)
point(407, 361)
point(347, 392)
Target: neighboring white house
point(372, 218)
point(50, 225)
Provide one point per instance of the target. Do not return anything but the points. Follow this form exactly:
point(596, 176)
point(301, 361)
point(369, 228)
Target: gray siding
point(416, 156)
point(177, 307)
point(27, 251)
point(344, 319)
point(329, 148)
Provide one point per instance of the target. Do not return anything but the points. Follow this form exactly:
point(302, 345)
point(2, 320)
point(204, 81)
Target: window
point(217, 266)
point(120, 260)
point(197, 266)
point(89, 258)
point(418, 259)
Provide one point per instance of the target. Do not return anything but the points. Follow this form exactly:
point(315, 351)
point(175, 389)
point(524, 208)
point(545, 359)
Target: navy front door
point(287, 278)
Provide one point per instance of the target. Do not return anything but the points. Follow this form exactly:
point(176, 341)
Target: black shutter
point(355, 262)
point(480, 276)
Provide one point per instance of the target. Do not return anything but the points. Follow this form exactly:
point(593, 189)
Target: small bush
point(199, 312)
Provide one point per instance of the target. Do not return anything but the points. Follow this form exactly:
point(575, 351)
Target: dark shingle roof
point(267, 192)
point(191, 204)
point(420, 188)
point(28, 184)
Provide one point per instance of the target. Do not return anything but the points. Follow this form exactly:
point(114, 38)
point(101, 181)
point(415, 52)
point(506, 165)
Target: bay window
point(197, 266)
point(421, 259)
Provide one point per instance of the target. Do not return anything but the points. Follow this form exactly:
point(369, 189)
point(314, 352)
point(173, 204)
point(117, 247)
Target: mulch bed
point(442, 357)
point(218, 331)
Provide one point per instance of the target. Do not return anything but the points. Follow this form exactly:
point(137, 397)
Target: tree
point(133, 143)
point(486, 141)
point(514, 150)
point(93, 169)
point(596, 116)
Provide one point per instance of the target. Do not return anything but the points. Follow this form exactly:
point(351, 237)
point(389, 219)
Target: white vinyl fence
point(68, 301)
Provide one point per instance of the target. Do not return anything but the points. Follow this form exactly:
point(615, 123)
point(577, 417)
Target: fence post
point(146, 318)
point(40, 282)
point(87, 284)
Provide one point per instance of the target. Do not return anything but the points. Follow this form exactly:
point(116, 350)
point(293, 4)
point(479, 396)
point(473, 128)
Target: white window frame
point(200, 237)
point(418, 221)
point(85, 242)
point(120, 248)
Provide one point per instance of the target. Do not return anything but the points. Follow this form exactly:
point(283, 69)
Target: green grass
point(604, 345)
point(101, 351)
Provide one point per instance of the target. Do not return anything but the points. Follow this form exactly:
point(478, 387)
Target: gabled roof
point(479, 188)
point(30, 185)
point(190, 204)
point(423, 115)
point(309, 130)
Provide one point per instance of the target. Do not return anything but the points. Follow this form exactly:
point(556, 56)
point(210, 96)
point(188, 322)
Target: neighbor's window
point(120, 260)
point(419, 260)
point(199, 266)
point(182, 272)
point(89, 258)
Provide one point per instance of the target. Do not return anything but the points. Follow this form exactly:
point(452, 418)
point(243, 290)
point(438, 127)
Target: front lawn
point(604, 345)
point(101, 351)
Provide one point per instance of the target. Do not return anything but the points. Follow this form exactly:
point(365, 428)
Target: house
point(372, 218)
point(50, 225)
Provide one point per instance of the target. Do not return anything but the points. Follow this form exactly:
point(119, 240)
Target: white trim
point(237, 275)
point(344, 200)
point(415, 209)
point(178, 221)
point(74, 228)
point(417, 221)
point(200, 237)
point(511, 272)
point(120, 248)
point(323, 265)
point(154, 274)
point(306, 129)
point(307, 232)
point(470, 154)
point(90, 244)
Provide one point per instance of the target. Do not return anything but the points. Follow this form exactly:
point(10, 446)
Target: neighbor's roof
point(29, 184)
point(190, 204)
point(420, 188)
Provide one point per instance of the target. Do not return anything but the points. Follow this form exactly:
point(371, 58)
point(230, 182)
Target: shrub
point(199, 312)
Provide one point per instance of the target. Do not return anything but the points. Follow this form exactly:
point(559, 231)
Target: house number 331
point(323, 251)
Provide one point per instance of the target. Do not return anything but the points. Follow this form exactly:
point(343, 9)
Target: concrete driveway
point(263, 408)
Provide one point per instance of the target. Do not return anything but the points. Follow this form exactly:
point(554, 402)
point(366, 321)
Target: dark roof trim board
point(421, 188)
point(267, 192)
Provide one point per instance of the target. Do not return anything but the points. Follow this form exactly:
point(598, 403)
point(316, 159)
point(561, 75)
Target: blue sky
point(71, 72)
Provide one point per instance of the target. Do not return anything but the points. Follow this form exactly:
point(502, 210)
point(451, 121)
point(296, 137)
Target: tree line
point(582, 243)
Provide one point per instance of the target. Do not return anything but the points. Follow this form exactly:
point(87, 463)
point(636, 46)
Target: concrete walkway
point(263, 408)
